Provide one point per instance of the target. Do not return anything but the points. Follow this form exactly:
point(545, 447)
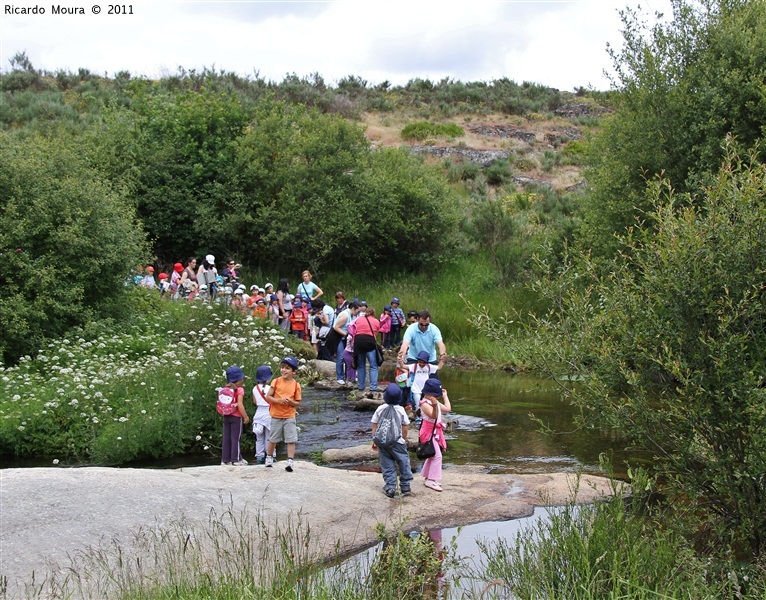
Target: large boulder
point(51, 515)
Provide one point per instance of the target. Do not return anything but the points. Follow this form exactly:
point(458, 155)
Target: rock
point(502, 131)
point(482, 157)
point(51, 514)
point(325, 368)
point(363, 452)
point(367, 400)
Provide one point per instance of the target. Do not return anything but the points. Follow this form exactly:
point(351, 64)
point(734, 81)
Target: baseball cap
point(210, 259)
point(290, 361)
point(394, 300)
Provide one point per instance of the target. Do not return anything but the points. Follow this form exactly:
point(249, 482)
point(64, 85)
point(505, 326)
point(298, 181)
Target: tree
point(671, 349)
point(67, 241)
point(683, 87)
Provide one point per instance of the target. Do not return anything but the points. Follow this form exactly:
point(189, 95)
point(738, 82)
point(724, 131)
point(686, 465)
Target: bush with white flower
point(144, 389)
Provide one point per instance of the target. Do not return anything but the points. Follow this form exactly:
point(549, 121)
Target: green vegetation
point(116, 392)
point(685, 85)
point(423, 130)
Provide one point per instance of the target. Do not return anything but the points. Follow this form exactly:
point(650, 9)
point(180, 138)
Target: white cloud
point(561, 44)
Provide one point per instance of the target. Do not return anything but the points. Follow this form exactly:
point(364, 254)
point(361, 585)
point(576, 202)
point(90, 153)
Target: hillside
point(543, 150)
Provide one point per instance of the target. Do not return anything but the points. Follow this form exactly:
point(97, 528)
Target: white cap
point(210, 259)
point(268, 285)
point(239, 291)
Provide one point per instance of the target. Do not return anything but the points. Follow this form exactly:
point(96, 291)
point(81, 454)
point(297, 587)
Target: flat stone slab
point(49, 514)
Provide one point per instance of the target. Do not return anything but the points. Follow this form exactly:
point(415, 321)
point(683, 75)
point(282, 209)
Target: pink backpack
point(227, 401)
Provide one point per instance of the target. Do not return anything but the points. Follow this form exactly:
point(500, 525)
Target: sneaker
point(391, 493)
point(269, 461)
point(289, 467)
point(432, 484)
point(407, 492)
point(225, 463)
point(240, 463)
point(259, 460)
point(341, 382)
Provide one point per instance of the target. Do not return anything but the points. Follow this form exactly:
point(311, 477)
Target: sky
point(561, 44)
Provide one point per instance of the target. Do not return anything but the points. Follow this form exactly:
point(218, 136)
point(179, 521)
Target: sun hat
point(424, 356)
point(387, 307)
point(210, 259)
point(291, 362)
point(261, 301)
point(162, 276)
point(178, 267)
point(150, 268)
point(273, 297)
point(234, 373)
point(393, 394)
point(432, 387)
point(263, 373)
point(394, 300)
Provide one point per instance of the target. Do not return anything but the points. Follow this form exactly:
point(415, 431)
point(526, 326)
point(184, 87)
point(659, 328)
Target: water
point(493, 425)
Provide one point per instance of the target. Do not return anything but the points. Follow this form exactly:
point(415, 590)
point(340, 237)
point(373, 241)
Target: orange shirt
point(260, 311)
point(298, 319)
point(280, 388)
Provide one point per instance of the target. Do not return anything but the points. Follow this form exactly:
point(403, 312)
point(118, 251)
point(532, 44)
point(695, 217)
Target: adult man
point(340, 327)
point(422, 336)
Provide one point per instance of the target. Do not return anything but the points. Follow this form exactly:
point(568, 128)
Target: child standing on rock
point(261, 418)
point(283, 399)
point(231, 406)
point(396, 455)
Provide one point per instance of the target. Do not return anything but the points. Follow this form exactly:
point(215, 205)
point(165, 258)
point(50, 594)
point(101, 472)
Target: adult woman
point(207, 275)
point(285, 303)
point(308, 288)
point(365, 342)
point(188, 283)
point(433, 404)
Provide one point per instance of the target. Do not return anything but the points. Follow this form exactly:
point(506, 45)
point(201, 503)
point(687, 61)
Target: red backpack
point(227, 401)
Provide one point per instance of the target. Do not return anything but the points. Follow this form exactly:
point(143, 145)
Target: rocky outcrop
point(51, 514)
point(482, 157)
point(503, 131)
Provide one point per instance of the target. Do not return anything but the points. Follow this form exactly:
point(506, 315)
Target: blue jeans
point(390, 458)
point(361, 371)
point(340, 366)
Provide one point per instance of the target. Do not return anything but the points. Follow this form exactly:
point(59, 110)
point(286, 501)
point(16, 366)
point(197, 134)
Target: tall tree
point(684, 85)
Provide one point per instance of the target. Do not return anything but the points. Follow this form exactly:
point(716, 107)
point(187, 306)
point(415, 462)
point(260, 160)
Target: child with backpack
point(389, 437)
point(231, 406)
point(298, 320)
point(261, 418)
point(283, 398)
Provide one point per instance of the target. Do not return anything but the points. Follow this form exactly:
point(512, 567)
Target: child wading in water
point(261, 418)
point(284, 397)
point(395, 456)
point(231, 406)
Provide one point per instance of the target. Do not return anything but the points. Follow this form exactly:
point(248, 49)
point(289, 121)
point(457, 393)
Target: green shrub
point(67, 241)
point(423, 130)
point(498, 173)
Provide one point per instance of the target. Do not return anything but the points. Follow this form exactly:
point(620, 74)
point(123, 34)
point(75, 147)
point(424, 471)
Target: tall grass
point(445, 294)
point(605, 550)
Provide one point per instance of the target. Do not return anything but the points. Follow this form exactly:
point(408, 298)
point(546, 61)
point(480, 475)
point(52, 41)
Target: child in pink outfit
point(432, 408)
point(385, 325)
point(348, 355)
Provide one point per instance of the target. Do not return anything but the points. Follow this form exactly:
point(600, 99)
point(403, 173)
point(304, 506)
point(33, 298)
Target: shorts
point(283, 430)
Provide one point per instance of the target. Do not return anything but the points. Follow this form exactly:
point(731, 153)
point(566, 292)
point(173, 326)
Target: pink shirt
point(385, 323)
point(367, 326)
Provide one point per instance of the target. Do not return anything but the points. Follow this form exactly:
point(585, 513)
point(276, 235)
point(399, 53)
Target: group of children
point(274, 422)
point(274, 418)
